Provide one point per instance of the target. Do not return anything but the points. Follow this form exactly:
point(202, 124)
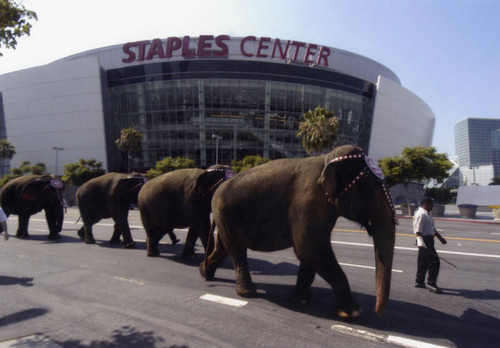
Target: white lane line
point(223, 300)
point(369, 336)
point(128, 280)
point(415, 249)
point(369, 267)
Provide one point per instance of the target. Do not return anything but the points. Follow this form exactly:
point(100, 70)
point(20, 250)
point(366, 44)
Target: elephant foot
point(207, 274)
point(90, 241)
point(350, 312)
point(129, 245)
point(54, 236)
point(24, 235)
point(246, 291)
point(114, 241)
point(302, 298)
point(81, 233)
point(153, 250)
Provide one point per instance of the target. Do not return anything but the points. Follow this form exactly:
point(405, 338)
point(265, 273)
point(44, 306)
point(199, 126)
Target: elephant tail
point(78, 219)
point(210, 241)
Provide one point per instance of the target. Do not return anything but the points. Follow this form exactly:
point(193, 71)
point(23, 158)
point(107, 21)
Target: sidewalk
point(451, 213)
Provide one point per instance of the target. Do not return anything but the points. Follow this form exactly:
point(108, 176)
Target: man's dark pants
point(428, 260)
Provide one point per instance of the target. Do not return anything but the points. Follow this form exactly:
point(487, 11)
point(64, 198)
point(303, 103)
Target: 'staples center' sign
point(218, 47)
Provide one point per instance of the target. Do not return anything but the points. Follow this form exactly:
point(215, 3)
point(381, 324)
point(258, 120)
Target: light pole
point(57, 155)
point(217, 138)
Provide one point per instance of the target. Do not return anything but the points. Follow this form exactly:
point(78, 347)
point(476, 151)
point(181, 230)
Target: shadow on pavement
point(23, 281)
point(471, 329)
point(126, 336)
point(22, 315)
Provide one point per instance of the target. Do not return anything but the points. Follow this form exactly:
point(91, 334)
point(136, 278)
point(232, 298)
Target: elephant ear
point(208, 181)
point(338, 172)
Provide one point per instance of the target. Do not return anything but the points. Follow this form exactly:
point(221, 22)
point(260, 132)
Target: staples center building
point(209, 98)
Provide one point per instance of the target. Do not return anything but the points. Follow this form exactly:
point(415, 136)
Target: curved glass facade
point(223, 110)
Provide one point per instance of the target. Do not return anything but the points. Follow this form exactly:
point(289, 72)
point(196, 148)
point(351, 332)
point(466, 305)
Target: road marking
point(223, 300)
point(370, 336)
point(415, 249)
point(133, 281)
point(36, 340)
point(369, 267)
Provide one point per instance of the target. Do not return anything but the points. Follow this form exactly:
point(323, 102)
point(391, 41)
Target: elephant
point(30, 194)
point(180, 199)
point(296, 203)
point(109, 196)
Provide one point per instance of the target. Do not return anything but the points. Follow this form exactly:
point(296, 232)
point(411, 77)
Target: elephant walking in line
point(295, 203)
point(179, 199)
point(109, 196)
point(30, 194)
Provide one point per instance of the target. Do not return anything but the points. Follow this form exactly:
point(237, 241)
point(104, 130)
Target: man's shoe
point(434, 288)
point(420, 285)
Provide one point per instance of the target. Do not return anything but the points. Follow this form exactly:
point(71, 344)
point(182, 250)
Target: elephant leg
point(324, 262)
point(301, 292)
point(212, 262)
point(22, 228)
point(244, 284)
point(205, 234)
point(89, 236)
point(122, 228)
point(153, 238)
point(81, 232)
point(54, 222)
point(192, 236)
point(115, 238)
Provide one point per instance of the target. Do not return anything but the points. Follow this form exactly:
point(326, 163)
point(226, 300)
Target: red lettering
point(155, 50)
point(186, 51)
point(277, 44)
point(297, 44)
point(263, 46)
point(219, 42)
point(310, 52)
point(204, 43)
point(142, 49)
point(324, 52)
point(130, 54)
point(242, 48)
point(173, 44)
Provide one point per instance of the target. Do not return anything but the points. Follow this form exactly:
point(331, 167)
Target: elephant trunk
point(383, 241)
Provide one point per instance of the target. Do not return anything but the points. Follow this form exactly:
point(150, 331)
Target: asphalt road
point(69, 294)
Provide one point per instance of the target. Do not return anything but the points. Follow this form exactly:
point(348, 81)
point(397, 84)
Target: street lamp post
point(217, 138)
point(57, 155)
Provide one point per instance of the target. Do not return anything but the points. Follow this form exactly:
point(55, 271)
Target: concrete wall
point(55, 105)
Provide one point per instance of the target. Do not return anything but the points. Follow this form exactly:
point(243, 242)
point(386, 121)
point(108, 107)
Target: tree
point(248, 162)
point(318, 130)
point(78, 173)
point(129, 141)
point(169, 164)
point(14, 23)
point(24, 169)
point(7, 151)
point(416, 164)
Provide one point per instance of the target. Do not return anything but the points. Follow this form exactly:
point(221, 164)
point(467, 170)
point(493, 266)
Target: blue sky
point(445, 51)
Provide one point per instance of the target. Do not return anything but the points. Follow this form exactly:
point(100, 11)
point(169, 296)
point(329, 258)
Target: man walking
point(428, 260)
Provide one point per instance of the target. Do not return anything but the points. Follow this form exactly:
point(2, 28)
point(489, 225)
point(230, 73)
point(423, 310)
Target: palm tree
point(318, 130)
point(130, 140)
point(7, 151)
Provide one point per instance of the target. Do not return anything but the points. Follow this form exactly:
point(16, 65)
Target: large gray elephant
point(180, 199)
point(109, 196)
point(30, 194)
point(296, 202)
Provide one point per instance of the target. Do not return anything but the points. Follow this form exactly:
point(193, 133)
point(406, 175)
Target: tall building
point(209, 98)
point(477, 145)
